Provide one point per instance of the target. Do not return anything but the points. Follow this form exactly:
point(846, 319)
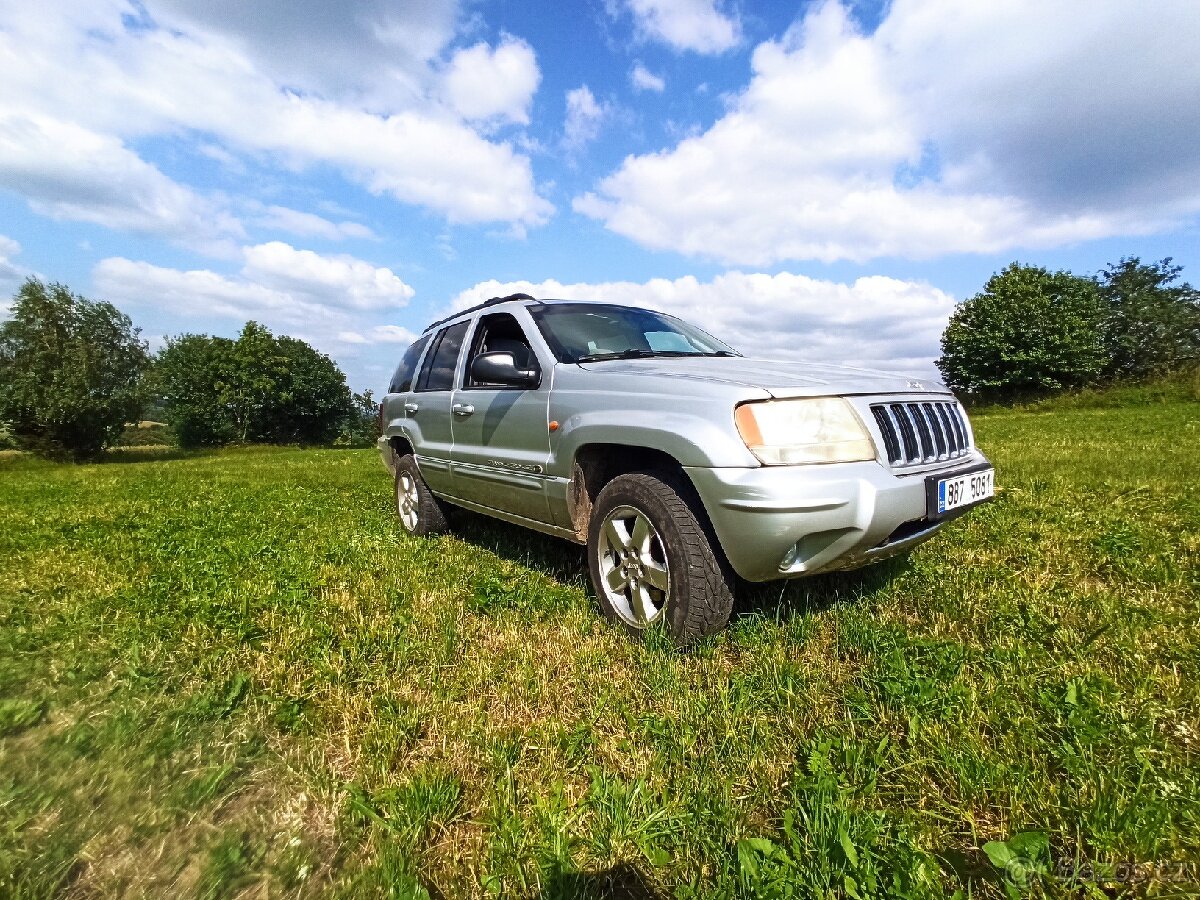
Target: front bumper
point(788, 521)
point(383, 445)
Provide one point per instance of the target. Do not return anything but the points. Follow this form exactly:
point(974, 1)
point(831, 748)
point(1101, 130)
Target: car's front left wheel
point(652, 560)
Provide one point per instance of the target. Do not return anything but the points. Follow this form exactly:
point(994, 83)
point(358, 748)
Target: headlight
point(789, 432)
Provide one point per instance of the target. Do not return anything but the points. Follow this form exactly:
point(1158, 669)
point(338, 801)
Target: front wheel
point(420, 512)
point(652, 561)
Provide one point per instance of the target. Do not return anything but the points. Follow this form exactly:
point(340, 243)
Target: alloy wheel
point(633, 566)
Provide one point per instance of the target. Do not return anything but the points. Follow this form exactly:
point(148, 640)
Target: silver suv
point(674, 458)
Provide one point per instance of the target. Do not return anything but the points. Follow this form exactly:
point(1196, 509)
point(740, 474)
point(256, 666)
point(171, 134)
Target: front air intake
point(922, 432)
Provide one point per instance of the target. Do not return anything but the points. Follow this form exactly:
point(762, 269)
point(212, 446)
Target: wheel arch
point(400, 446)
point(596, 464)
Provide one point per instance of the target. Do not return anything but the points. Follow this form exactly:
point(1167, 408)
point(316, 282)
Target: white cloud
point(373, 52)
point(697, 25)
point(69, 172)
point(200, 293)
point(278, 285)
point(86, 65)
point(951, 129)
point(584, 117)
point(643, 79)
point(336, 281)
point(380, 334)
point(875, 321)
point(482, 83)
point(392, 334)
point(310, 225)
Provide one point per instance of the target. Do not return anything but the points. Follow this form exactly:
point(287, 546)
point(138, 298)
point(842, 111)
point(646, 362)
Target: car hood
point(779, 378)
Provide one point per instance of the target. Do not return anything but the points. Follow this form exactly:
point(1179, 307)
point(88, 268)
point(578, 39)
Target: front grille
point(922, 432)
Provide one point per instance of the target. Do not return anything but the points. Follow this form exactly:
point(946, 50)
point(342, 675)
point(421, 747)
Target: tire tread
point(709, 599)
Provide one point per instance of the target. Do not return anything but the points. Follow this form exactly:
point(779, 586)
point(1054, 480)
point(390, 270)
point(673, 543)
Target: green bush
point(259, 388)
point(70, 372)
point(1030, 332)
point(147, 434)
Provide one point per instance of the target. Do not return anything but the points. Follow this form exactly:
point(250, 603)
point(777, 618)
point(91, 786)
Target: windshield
point(588, 332)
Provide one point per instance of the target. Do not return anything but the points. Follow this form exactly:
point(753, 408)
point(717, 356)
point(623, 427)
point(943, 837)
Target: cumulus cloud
point(278, 285)
point(339, 281)
point(698, 25)
point(114, 72)
point(199, 292)
point(482, 83)
point(643, 79)
point(380, 334)
point(875, 321)
point(66, 171)
point(584, 118)
point(308, 224)
point(950, 129)
point(374, 52)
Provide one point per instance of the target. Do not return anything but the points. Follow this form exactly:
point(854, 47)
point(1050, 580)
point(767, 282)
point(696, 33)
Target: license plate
point(963, 490)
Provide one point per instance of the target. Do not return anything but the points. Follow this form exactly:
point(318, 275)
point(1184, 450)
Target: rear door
point(401, 385)
point(501, 434)
point(427, 408)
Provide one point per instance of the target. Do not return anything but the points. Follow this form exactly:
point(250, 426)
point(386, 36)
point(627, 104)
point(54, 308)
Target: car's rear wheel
point(420, 512)
point(652, 561)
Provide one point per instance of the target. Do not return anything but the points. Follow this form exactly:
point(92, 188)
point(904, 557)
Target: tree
point(259, 388)
point(362, 426)
point(313, 401)
point(1030, 332)
point(191, 376)
point(1151, 325)
point(70, 371)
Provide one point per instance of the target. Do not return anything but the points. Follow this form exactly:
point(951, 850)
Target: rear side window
point(438, 372)
point(402, 380)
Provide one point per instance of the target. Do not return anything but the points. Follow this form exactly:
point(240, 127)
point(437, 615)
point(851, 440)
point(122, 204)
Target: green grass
point(229, 674)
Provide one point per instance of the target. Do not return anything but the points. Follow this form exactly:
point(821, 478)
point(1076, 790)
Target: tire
point(652, 560)
point(419, 511)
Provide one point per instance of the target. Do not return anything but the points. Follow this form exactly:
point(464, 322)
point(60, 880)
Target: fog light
point(789, 558)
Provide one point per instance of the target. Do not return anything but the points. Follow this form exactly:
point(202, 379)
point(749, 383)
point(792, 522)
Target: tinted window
point(402, 380)
point(438, 372)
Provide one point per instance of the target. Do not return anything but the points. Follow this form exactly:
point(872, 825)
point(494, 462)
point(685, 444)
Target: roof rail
point(470, 309)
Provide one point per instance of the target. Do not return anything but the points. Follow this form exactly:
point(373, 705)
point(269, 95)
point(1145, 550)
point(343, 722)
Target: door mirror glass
point(500, 367)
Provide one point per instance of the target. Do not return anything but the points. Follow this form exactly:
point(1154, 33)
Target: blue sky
point(816, 179)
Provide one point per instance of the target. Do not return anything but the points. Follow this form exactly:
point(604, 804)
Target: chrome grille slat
point(908, 431)
point(887, 428)
point(926, 439)
point(951, 431)
point(916, 432)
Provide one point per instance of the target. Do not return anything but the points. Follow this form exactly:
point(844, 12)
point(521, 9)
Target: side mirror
point(500, 367)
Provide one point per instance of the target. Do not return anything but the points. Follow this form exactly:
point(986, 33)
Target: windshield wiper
point(634, 353)
point(631, 353)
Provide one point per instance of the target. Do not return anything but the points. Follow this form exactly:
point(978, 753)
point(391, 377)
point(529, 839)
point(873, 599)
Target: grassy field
point(230, 674)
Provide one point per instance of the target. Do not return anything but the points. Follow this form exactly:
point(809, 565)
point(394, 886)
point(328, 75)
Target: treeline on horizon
point(74, 373)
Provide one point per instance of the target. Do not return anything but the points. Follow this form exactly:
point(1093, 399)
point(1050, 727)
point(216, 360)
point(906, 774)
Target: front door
point(501, 438)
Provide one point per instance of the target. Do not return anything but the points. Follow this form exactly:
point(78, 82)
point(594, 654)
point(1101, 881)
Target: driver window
point(499, 331)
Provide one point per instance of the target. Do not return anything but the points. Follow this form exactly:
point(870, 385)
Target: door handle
point(462, 409)
point(411, 407)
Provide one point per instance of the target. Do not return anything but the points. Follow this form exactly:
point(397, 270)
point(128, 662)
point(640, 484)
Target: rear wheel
point(420, 512)
point(652, 562)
